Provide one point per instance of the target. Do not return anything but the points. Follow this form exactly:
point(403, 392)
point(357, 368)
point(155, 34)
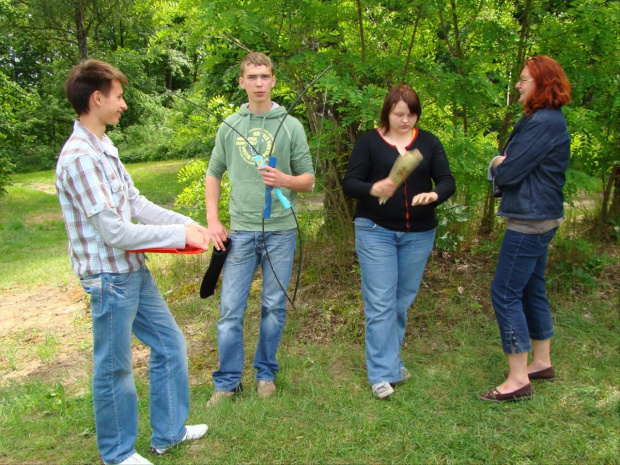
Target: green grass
point(324, 412)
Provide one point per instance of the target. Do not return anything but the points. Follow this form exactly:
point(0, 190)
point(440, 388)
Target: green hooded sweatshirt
point(235, 154)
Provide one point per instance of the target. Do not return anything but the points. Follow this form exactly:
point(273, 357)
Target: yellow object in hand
point(402, 168)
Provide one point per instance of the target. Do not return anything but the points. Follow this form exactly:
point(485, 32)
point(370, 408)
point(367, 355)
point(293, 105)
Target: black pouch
point(209, 281)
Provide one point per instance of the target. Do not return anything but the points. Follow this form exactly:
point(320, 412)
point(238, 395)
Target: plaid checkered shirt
point(94, 186)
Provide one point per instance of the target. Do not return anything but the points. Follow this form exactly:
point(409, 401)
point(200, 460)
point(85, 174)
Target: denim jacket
point(534, 172)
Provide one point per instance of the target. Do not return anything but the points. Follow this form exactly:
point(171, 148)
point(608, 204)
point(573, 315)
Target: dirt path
point(45, 334)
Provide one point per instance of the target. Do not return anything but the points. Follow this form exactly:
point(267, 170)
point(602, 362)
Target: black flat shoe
point(494, 395)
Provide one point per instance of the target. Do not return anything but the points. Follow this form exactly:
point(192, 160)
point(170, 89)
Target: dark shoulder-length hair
point(552, 85)
point(398, 93)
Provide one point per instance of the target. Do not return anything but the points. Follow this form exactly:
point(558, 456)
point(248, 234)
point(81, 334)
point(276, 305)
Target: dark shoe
point(548, 374)
point(494, 395)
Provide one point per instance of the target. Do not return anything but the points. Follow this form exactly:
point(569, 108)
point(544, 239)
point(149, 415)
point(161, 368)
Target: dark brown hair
point(398, 93)
point(88, 77)
point(552, 85)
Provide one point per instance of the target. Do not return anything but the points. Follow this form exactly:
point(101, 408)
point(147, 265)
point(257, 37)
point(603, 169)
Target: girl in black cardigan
point(394, 239)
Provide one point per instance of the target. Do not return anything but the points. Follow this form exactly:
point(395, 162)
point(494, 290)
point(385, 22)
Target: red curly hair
point(552, 85)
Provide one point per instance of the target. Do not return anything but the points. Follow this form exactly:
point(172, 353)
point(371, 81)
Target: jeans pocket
point(365, 224)
point(285, 233)
point(91, 284)
point(545, 238)
point(118, 279)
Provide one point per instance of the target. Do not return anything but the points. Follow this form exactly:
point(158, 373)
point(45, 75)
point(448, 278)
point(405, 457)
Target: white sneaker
point(192, 432)
point(135, 459)
point(382, 390)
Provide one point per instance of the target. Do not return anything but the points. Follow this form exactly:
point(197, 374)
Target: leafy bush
point(193, 195)
point(575, 264)
point(143, 142)
point(452, 220)
point(6, 168)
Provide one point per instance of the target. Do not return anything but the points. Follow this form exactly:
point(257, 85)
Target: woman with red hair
point(529, 175)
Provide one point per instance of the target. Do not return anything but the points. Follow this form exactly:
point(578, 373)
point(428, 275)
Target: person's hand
point(498, 160)
point(272, 176)
point(384, 188)
point(197, 236)
point(218, 234)
point(424, 198)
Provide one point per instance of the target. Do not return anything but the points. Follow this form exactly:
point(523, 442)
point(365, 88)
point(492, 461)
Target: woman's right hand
point(384, 188)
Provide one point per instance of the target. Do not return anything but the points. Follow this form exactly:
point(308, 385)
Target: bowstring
point(290, 108)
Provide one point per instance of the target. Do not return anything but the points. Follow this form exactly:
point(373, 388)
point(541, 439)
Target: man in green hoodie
point(242, 147)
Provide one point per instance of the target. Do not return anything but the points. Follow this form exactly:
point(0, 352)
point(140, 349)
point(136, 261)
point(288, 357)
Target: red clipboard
point(186, 250)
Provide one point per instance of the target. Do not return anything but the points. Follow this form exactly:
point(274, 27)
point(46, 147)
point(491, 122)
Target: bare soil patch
point(45, 334)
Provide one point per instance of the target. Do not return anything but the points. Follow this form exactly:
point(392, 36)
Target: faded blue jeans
point(273, 251)
point(122, 304)
point(392, 265)
point(518, 291)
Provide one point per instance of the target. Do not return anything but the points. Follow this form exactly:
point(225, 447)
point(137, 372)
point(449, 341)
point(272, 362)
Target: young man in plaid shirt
point(99, 202)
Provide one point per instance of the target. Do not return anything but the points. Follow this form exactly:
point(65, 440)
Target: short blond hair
point(256, 59)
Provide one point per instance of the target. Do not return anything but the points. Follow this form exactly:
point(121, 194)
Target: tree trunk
point(359, 19)
point(338, 207)
point(411, 42)
point(610, 207)
point(81, 31)
point(614, 209)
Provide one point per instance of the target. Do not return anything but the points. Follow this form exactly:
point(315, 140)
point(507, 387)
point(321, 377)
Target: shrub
point(575, 265)
point(193, 195)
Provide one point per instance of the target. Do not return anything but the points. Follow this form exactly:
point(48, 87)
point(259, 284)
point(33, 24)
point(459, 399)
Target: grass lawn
point(324, 411)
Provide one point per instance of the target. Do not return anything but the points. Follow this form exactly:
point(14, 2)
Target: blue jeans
point(248, 250)
point(518, 291)
point(122, 304)
point(392, 265)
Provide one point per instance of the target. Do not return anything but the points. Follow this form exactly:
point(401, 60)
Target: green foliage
point(147, 142)
point(192, 197)
point(576, 265)
point(450, 231)
point(462, 58)
point(6, 168)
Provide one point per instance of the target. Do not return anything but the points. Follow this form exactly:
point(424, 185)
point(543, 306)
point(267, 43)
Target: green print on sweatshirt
point(258, 139)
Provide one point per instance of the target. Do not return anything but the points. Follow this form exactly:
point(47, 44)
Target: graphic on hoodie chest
point(260, 142)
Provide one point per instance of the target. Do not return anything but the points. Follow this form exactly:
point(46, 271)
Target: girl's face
point(402, 120)
point(526, 86)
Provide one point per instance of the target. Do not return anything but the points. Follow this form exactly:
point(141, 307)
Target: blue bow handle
point(283, 200)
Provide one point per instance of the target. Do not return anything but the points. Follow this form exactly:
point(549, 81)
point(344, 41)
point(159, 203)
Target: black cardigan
point(372, 160)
